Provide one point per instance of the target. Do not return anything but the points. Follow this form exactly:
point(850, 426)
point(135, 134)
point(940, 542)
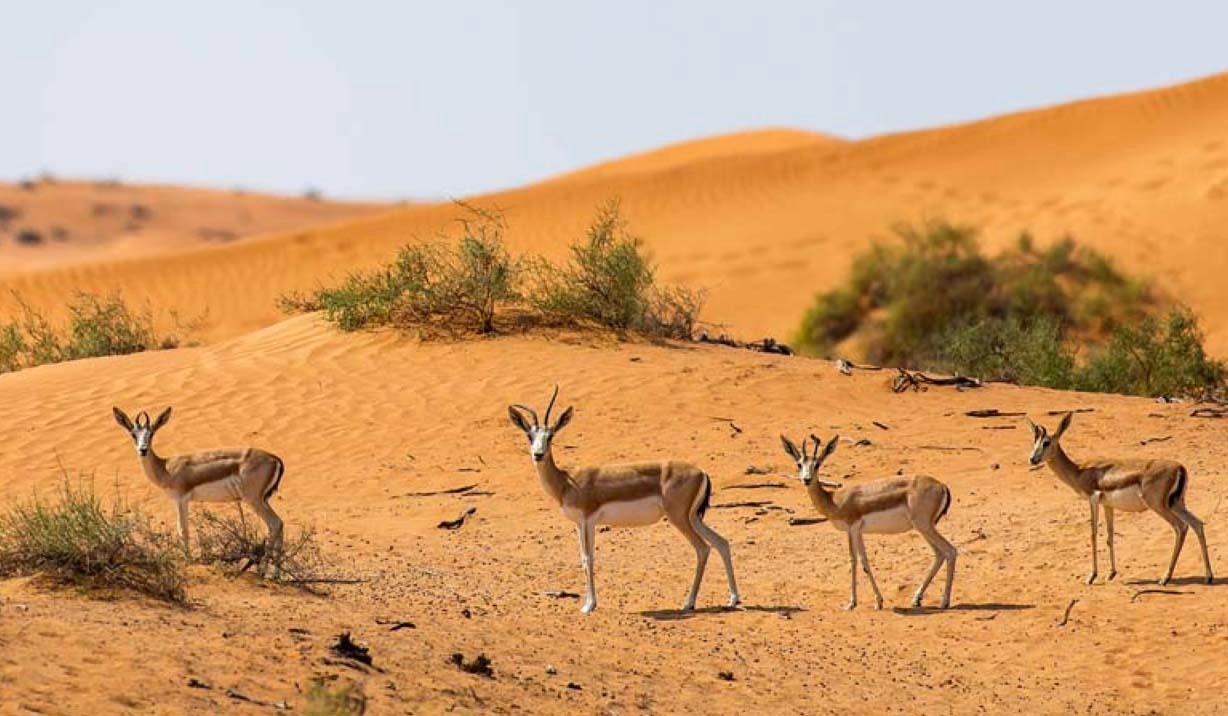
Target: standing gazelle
point(239, 474)
point(633, 495)
point(1130, 485)
point(889, 506)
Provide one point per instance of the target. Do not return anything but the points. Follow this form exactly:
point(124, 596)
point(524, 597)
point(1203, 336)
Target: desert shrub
point(237, 544)
point(321, 700)
point(609, 282)
point(1061, 316)
point(97, 326)
point(76, 540)
point(29, 237)
point(430, 286)
point(1154, 357)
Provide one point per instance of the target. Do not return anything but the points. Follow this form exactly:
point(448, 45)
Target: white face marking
point(1040, 447)
point(142, 437)
point(539, 442)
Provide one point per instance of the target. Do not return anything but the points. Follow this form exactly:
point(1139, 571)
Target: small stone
point(550, 669)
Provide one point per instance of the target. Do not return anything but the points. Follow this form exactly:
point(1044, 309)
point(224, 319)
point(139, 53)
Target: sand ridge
point(763, 220)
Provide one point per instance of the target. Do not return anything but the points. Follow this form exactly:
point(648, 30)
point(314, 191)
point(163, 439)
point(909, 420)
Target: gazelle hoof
point(1111, 575)
point(945, 604)
point(1209, 579)
point(588, 607)
point(850, 606)
point(878, 604)
point(734, 600)
point(688, 606)
point(916, 602)
point(1162, 581)
point(1091, 578)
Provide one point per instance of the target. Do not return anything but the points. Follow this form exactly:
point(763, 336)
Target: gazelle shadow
point(1175, 582)
point(966, 607)
point(679, 615)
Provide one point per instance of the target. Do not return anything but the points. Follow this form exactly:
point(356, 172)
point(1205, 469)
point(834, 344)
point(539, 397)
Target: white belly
point(632, 513)
point(887, 522)
point(229, 489)
point(1129, 499)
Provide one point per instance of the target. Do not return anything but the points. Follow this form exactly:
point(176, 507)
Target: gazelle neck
point(821, 498)
point(556, 482)
point(1065, 468)
point(154, 467)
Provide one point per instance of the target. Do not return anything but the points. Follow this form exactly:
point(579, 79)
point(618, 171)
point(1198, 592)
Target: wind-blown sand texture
point(765, 220)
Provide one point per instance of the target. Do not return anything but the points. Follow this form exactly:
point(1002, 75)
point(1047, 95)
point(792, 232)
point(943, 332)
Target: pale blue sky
point(409, 99)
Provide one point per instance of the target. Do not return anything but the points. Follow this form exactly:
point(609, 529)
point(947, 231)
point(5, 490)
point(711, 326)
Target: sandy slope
point(765, 219)
point(81, 222)
point(361, 420)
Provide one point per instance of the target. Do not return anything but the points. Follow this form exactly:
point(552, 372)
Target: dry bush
point(321, 700)
point(238, 545)
point(76, 540)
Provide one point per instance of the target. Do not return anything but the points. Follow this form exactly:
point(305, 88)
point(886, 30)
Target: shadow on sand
point(987, 607)
point(678, 614)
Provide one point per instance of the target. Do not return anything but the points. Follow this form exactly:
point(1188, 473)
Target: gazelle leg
point(1179, 531)
point(274, 545)
point(1108, 526)
point(1195, 524)
point(588, 536)
point(182, 506)
point(722, 548)
point(1094, 501)
point(702, 550)
point(853, 568)
point(865, 564)
point(944, 551)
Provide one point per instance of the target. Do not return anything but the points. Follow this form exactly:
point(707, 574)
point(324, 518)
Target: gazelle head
point(141, 431)
point(808, 465)
point(540, 432)
point(1042, 442)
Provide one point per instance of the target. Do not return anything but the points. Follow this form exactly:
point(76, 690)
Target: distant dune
point(51, 223)
point(766, 219)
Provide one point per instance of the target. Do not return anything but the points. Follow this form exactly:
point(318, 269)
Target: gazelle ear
point(829, 448)
point(564, 418)
point(790, 448)
point(162, 419)
point(1035, 428)
point(518, 418)
point(122, 418)
point(1061, 427)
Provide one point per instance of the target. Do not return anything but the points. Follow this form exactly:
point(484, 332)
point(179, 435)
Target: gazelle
point(248, 475)
point(889, 506)
point(1130, 485)
point(632, 495)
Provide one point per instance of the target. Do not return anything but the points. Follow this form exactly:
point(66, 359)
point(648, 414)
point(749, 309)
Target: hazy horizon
point(384, 101)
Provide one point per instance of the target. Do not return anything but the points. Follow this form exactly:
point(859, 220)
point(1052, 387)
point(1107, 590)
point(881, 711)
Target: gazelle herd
point(640, 494)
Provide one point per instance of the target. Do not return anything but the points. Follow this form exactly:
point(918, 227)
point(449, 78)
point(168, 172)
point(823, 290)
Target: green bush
point(430, 287)
point(76, 540)
point(472, 286)
point(1062, 316)
point(97, 326)
point(1155, 357)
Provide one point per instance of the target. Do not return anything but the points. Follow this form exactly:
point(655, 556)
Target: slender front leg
point(853, 566)
point(1094, 501)
point(587, 538)
point(865, 564)
point(182, 505)
point(1108, 525)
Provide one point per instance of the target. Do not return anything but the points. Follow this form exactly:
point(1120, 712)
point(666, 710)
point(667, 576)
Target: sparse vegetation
point(76, 540)
point(29, 237)
point(97, 326)
point(1061, 317)
point(473, 285)
point(322, 700)
point(238, 545)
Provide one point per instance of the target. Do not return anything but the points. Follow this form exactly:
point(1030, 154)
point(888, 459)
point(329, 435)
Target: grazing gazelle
point(889, 506)
point(632, 495)
point(239, 474)
point(1130, 485)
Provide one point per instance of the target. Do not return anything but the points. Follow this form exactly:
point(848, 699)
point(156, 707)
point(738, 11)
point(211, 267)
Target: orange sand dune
point(764, 220)
point(80, 222)
point(363, 419)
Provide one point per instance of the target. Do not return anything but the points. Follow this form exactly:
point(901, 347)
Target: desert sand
point(764, 220)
